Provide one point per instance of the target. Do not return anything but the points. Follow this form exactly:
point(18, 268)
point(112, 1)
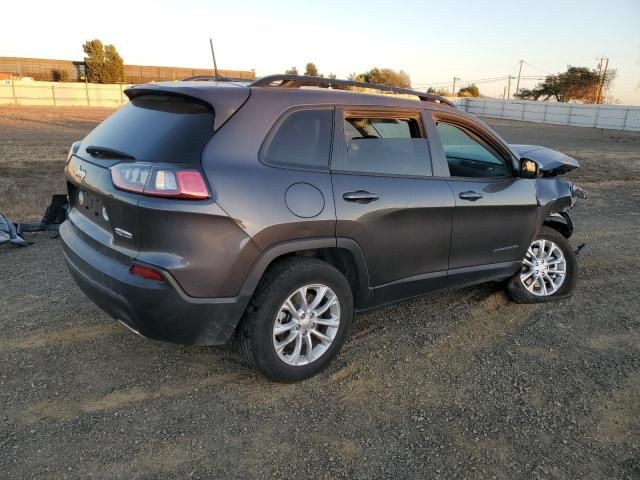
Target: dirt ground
point(460, 384)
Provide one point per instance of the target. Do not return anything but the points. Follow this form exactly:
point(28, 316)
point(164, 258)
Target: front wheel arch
point(560, 222)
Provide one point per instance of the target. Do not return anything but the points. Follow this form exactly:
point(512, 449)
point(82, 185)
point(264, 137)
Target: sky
point(432, 41)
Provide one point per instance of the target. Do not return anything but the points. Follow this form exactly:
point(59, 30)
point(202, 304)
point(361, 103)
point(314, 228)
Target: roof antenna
point(215, 65)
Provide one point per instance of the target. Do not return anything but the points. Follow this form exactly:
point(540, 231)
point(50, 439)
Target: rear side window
point(392, 146)
point(157, 128)
point(302, 140)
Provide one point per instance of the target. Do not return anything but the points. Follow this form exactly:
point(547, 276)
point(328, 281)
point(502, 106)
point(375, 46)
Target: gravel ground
point(460, 384)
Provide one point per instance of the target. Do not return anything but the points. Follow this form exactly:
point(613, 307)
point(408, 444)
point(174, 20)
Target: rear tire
point(541, 279)
point(283, 312)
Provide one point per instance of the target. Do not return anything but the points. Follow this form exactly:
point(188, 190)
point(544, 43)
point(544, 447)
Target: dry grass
point(34, 142)
point(33, 145)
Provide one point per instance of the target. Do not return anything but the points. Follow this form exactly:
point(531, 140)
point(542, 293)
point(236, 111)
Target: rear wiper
point(108, 152)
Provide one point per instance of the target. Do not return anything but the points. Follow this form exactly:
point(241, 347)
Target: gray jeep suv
point(272, 211)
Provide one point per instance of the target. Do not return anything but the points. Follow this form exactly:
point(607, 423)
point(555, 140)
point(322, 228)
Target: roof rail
point(297, 81)
point(214, 78)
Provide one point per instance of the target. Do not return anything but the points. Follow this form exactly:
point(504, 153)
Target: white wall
point(61, 94)
point(621, 117)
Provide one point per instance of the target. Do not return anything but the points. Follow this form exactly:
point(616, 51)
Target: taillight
point(131, 177)
point(145, 272)
point(159, 180)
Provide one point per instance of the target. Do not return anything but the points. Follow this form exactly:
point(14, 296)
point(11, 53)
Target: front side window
point(302, 140)
point(468, 155)
point(393, 146)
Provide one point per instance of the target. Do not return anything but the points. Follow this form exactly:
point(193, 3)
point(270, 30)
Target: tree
point(384, 76)
point(470, 91)
point(103, 63)
point(113, 65)
point(291, 71)
point(94, 61)
point(578, 84)
point(61, 75)
point(311, 70)
point(332, 76)
point(442, 92)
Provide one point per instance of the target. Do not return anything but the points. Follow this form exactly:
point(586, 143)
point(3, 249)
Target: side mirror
point(528, 168)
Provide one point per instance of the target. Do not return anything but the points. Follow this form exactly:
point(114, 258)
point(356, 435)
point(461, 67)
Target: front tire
point(549, 270)
point(298, 319)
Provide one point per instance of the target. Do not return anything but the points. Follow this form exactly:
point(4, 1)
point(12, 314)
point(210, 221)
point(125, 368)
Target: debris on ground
point(55, 214)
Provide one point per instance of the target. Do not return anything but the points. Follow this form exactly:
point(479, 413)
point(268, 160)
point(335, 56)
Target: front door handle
point(360, 196)
point(470, 195)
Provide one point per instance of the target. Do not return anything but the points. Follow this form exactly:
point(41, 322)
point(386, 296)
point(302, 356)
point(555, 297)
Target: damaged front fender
point(555, 198)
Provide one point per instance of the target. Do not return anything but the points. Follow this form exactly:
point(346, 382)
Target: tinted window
point(157, 128)
point(303, 139)
point(468, 155)
point(393, 146)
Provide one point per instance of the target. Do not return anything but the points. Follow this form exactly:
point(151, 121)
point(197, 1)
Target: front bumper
point(158, 310)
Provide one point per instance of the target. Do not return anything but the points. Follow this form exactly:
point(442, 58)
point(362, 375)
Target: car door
point(389, 202)
point(495, 213)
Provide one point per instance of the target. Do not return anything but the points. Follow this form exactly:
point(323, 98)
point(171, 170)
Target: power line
point(537, 68)
point(464, 80)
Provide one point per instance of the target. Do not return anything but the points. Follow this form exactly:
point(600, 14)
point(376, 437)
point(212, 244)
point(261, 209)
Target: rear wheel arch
point(344, 254)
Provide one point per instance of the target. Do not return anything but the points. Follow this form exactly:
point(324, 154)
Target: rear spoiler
point(226, 99)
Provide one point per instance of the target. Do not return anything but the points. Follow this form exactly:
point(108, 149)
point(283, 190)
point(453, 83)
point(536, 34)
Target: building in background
point(45, 69)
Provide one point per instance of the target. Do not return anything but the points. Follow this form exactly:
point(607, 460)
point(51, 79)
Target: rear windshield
point(156, 128)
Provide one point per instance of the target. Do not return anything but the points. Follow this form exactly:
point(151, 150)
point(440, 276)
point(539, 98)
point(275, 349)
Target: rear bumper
point(158, 310)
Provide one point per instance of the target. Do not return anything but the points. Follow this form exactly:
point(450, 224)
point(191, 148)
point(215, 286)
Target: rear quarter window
point(157, 128)
point(301, 140)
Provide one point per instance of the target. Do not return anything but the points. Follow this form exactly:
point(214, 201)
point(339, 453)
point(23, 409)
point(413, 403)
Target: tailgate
point(154, 128)
point(107, 217)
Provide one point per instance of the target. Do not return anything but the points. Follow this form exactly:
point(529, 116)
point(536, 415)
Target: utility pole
point(453, 92)
point(601, 81)
point(215, 65)
point(519, 72)
point(509, 87)
point(595, 96)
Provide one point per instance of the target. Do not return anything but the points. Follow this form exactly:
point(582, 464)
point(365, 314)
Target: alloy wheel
point(306, 324)
point(544, 268)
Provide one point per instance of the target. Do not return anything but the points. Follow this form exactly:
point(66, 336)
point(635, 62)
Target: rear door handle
point(360, 196)
point(470, 195)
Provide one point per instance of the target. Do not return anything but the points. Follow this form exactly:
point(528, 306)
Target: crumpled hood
point(550, 162)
